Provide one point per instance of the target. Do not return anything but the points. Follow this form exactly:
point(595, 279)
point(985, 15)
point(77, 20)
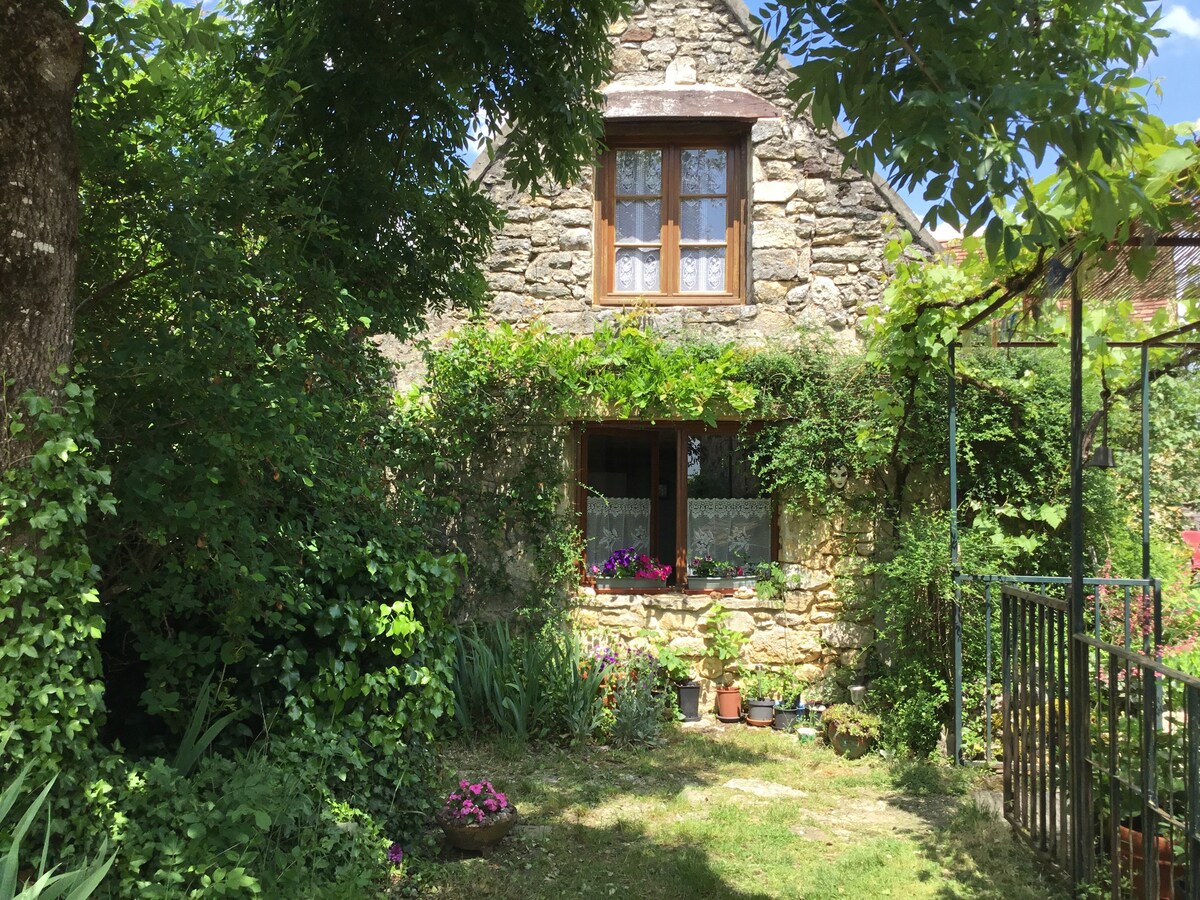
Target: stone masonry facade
point(815, 242)
point(809, 627)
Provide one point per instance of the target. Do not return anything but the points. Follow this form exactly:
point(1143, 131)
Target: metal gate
point(1135, 831)
point(1034, 735)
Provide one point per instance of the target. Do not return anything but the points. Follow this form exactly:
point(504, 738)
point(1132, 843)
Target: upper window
point(670, 219)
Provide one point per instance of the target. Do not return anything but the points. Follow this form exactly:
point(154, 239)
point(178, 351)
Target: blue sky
point(1177, 65)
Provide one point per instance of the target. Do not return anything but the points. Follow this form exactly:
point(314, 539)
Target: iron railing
point(1144, 765)
point(1136, 827)
point(1034, 641)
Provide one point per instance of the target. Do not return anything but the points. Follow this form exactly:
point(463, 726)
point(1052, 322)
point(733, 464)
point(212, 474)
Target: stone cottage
point(726, 217)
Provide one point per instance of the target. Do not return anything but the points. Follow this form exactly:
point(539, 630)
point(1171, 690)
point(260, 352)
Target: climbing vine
point(50, 689)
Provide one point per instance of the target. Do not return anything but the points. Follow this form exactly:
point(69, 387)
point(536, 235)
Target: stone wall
point(815, 236)
point(810, 626)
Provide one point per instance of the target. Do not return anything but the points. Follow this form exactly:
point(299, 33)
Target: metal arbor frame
point(1052, 760)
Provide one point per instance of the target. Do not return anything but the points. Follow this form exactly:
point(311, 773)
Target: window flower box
point(709, 583)
point(629, 584)
point(708, 574)
point(626, 569)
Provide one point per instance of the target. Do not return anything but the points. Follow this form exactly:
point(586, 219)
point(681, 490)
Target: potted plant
point(475, 816)
point(761, 689)
point(850, 730)
point(791, 702)
point(626, 568)
point(678, 674)
point(770, 582)
point(724, 644)
point(1133, 844)
point(707, 574)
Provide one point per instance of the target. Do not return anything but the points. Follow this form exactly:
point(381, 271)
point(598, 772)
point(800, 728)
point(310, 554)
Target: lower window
point(675, 493)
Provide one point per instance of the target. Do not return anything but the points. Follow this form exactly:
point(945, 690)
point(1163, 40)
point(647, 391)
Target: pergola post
point(1078, 693)
point(955, 568)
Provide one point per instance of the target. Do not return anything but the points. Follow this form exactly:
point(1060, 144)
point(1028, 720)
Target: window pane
point(639, 172)
point(717, 468)
point(734, 531)
point(616, 523)
point(639, 221)
point(703, 220)
point(618, 503)
point(703, 172)
point(727, 519)
point(702, 269)
point(637, 270)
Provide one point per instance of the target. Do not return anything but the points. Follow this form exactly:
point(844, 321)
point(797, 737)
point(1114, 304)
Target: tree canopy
point(968, 99)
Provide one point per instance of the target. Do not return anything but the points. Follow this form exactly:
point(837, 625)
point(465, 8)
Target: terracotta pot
point(477, 836)
point(729, 704)
point(1133, 863)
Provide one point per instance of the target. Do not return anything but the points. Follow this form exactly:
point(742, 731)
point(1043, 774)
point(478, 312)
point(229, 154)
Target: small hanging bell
point(1102, 458)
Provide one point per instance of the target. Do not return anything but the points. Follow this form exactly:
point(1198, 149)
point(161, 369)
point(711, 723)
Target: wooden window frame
point(672, 138)
point(681, 431)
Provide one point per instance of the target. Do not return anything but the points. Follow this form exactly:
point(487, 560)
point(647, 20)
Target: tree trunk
point(41, 60)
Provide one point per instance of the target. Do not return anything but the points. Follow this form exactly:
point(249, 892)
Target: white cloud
point(1180, 22)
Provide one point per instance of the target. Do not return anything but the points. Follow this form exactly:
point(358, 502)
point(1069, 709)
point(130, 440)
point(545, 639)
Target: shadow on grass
point(973, 845)
point(558, 778)
point(580, 861)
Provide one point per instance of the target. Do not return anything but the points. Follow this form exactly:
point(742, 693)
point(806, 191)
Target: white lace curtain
point(730, 530)
point(614, 523)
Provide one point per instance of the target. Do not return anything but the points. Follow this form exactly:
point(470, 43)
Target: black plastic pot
point(688, 696)
point(760, 712)
point(784, 718)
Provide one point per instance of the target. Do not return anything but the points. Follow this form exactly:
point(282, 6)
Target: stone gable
point(815, 235)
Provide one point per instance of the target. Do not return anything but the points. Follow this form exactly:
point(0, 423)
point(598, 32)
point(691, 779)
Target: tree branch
point(908, 47)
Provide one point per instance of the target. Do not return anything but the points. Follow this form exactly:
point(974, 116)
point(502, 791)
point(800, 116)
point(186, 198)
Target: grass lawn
point(731, 812)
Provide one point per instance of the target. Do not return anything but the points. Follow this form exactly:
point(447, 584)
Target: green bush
point(261, 822)
point(638, 710)
point(521, 685)
point(16, 858)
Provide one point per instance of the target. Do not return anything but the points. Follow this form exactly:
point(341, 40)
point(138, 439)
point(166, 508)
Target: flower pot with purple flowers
point(476, 816)
point(626, 569)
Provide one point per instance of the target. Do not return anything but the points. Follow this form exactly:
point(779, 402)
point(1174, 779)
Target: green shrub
point(915, 712)
point(44, 880)
point(521, 685)
point(261, 822)
point(638, 710)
